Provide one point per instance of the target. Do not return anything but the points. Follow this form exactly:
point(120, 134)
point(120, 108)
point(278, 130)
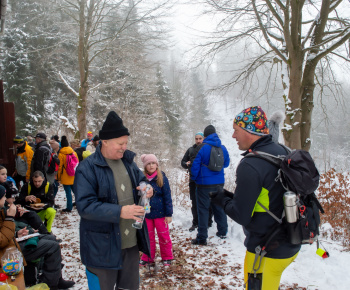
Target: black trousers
point(50, 250)
point(31, 218)
point(192, 186)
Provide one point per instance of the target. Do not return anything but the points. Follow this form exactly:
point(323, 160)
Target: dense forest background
point(66, 64)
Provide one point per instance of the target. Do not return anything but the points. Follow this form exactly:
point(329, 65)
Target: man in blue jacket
point(105, 189)
point(256, 181)
point(209, 181)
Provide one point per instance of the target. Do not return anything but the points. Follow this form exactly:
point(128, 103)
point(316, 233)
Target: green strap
point(46, 188)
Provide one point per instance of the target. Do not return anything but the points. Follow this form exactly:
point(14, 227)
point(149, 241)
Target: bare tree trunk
point(307, 104)
point(83, 59)
point(295, 62)
point(82, 110)
point(291, 132)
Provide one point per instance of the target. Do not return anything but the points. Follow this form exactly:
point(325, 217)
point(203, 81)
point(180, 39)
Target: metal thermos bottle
point(290, 207)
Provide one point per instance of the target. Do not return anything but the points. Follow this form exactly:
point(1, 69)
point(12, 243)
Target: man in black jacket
point(39, 188)
point(186, 163)
point(41, 155)
point(255, 181)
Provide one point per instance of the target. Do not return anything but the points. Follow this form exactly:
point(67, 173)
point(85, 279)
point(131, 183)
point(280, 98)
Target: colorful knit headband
point(253, 120)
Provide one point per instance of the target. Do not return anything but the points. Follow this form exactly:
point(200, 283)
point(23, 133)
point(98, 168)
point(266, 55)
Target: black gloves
point(218, 197)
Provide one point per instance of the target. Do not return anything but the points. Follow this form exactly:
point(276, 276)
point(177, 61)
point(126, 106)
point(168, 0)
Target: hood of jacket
point(22, 148)
point(66, 150)
point(212, 139)
point(258, 144)
point(41, 144)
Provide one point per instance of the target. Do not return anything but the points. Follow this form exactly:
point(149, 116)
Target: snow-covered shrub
point(333, 194)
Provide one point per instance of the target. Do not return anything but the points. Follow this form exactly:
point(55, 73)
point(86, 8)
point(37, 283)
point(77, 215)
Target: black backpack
point(53, 163)
point(216, 161)
point(298, 173)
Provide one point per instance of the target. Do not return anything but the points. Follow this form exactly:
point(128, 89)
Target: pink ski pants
point(165, 245)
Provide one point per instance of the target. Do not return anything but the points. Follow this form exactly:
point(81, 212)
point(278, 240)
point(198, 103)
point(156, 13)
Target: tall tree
point(32, 51)
point(17, 77)
point(170, 108)
point(91, 18)
point(296, 34)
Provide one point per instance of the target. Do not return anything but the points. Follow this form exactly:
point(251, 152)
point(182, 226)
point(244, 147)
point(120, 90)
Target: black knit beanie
point(56, 138)
point(209, 130)
point(64, 142)
point(113, 127)
point(2, 191)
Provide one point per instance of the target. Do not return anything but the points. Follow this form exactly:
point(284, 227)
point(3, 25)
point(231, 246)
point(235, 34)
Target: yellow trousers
point(270, 268)
point(47, 215)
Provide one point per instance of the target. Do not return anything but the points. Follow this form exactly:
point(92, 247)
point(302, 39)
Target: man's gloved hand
point(219, 196)
point(228, 193)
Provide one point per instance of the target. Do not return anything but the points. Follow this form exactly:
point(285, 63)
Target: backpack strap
point(271, 213)
point(261, 250)
point(314, 198)
point(209, 153)
point(211, 147)
point(274, 160)
point(47, 187)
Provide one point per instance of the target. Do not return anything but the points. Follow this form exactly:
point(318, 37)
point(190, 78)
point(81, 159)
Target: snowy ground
point(216, 266)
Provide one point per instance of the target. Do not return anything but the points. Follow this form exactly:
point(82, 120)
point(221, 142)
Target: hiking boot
point(57, 240)
point(191, 229)
point(145, 263)
point(66, 210)
point(221, 236)
point(199, 242)
point(63, 284)
point(166, 263)
point(42, 230)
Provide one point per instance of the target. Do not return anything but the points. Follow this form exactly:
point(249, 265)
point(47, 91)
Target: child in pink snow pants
point(161, 212)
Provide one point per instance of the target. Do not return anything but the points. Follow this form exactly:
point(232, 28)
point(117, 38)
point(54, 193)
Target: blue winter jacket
point(161, 202)
point(97, 203)
point(85, 142)
point(200, 173)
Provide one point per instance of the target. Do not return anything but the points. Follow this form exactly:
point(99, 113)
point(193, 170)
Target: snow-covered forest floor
point(216, 266)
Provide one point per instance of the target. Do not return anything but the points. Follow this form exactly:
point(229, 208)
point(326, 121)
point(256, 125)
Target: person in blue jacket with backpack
point(208, 181)
point(256, 182)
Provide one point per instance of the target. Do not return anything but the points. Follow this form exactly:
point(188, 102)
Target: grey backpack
point(216, 162)
point(21, 165)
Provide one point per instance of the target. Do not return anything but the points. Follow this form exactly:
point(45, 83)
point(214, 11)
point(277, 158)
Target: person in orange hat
point(86, 141)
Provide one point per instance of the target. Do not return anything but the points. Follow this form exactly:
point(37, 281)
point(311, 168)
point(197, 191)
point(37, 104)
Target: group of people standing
point(29, 209)
point(29, 201)
point(106, 189)
point(202, 181)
